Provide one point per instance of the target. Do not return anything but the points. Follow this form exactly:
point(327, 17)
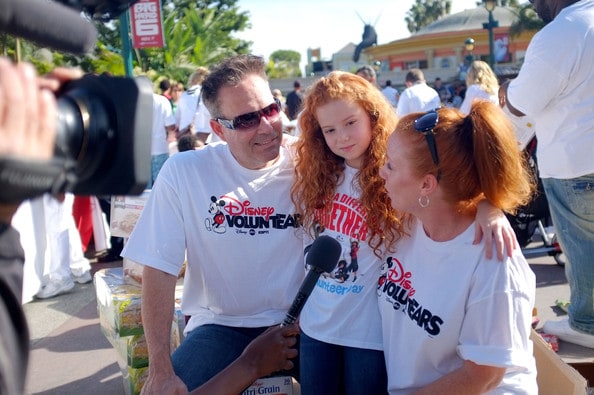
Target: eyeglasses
point(251, 120)
point(425, 125)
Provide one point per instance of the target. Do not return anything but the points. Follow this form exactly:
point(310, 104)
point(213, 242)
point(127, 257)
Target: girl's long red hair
point(318, 170)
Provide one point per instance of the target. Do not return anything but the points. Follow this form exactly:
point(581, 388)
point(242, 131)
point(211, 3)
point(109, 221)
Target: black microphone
point(322, 258)
point(48, 24)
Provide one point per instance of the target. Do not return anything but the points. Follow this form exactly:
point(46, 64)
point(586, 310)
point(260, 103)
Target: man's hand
point(157, 384)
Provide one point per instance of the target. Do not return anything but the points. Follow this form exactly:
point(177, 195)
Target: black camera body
point(104, 134)
point(102, 10)
point(104, 128)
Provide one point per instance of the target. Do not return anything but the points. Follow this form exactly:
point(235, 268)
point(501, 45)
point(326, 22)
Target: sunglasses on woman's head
point(425, 125)
point(251, 120)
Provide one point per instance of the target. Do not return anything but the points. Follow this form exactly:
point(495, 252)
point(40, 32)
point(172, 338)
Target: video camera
point(104, 123)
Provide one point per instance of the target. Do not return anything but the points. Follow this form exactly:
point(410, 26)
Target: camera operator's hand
point(28, 115)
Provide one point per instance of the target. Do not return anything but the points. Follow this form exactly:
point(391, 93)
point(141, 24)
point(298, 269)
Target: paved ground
point(70, 355)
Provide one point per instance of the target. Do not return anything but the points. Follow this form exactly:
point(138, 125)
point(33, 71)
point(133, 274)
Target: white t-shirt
point(161, 119)
point(419, 97)
point(342, 308)
point(555, 87)
point(244, 250)
point(188, 111)
point(443, 302)
point(391, 94)
point(475, 92)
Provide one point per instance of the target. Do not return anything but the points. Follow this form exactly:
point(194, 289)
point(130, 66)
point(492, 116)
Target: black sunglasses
point(425, 125)
point(251, 120)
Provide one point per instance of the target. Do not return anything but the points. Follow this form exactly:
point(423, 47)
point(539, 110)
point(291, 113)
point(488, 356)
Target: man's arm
point(504, 101)
point(158, 293)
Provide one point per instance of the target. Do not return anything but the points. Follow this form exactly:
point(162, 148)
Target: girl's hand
point(493, 225)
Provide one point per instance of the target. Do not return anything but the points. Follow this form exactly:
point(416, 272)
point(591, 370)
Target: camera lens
point(85, 133)
point(104, 134)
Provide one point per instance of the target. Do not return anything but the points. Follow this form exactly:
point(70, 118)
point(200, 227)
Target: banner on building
point(501, 48)
point(147, 24)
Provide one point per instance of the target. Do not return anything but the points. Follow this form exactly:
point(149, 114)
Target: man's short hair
point(366, 72)
point(164, 85)
point(188, 142)
point(415, 75)
point(198, 76)
point(230, 72)
point(296, 84)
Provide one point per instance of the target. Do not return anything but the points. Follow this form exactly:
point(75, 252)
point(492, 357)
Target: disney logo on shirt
point(228, 212)
point(396, 286)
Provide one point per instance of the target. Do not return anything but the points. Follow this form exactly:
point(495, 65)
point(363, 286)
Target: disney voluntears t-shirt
point(443, 302)
point(244, 251)
point(342, 308)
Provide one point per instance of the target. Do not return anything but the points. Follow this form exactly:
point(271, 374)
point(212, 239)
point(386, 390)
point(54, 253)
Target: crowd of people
point(411, 191)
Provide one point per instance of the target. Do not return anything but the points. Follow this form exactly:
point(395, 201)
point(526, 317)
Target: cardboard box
point(125, 211)
point(280, 385)
point(118, 304)
point(554, 376)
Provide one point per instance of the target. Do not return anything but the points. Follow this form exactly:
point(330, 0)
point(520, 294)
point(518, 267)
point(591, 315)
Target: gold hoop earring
point(424, 202)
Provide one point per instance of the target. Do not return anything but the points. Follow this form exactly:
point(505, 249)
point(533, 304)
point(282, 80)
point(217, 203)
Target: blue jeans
point(208, 349)
point(157, 161)
point(330, 369)
point(572, 210)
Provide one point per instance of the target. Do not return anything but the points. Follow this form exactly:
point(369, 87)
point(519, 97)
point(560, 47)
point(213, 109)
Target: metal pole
point(491, 42)
point(126, 45)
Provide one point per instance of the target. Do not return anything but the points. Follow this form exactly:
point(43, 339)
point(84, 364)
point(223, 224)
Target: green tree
point(196, 34)
point(527, 21)
point(284, 63)
point(423, 12)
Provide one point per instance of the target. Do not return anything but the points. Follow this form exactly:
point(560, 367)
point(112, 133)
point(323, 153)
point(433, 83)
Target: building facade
point(438, 49)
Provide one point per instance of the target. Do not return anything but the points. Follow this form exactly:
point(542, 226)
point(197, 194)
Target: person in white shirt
point(225, 207)
point(481, 84)
point(390, 93)
point(418, 96)
point(453, 320)
point(555, 88)
point(191, 109)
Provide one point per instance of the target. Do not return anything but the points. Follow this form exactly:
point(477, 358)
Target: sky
point(327, 24)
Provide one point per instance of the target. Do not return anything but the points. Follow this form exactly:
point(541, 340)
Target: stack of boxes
point(120, 319)
point(119, 300)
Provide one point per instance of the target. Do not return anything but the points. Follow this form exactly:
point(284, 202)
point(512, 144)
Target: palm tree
point(423, 12)
point(527, 21)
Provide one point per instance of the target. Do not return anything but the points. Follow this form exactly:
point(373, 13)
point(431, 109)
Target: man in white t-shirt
point(225, 207)
point(191, 109)
point(418, 96)
point(390, 93)
point(555, 87)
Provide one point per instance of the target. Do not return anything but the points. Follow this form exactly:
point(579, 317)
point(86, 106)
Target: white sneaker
point(84, 278)
point(566, 333)
point(54, 288)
